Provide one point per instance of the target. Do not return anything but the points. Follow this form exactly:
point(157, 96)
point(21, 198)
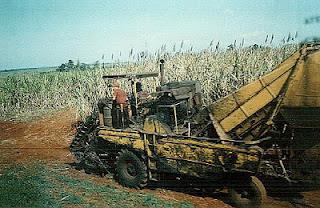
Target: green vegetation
point(118, 198)
point(69, 66)
point(37, 186)
point(220, 71)
point(22, 187)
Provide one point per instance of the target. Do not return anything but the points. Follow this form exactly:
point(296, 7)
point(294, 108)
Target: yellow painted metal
point(304, 89)
point(294, 84)
point(121, 133)
point(186, 155)
point(301, 103)
point(153, 125)
point(237, 107)
point(128, 138)
point(197, 156)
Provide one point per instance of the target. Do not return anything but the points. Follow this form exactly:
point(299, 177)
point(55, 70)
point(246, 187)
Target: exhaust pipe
point(161, 72)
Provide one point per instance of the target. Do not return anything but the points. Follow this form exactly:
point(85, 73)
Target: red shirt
point(120, 96)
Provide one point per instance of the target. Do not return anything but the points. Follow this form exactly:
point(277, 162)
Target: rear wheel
point(131, 171)
point(248, 193)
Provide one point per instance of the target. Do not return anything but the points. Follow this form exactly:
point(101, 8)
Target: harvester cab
point(172, 103)
point(177, 103)
point(110, 112)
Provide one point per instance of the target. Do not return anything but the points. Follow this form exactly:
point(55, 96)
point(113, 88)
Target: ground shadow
point(196, 187)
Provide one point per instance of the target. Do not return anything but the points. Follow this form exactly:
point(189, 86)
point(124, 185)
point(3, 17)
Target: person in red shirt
point(120, 98)
point(119, 95)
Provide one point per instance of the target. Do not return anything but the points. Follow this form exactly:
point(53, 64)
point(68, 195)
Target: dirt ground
point(48, 139)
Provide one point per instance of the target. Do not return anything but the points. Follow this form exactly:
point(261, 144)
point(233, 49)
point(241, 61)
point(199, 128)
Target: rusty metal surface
point(185, 155)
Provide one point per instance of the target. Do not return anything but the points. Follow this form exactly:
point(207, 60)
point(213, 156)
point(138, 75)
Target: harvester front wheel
point(131, 171)
point(248, 193)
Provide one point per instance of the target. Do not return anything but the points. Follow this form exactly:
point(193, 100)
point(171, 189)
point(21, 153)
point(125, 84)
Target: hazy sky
point(36, 33)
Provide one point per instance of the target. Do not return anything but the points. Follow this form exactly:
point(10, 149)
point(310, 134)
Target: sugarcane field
point(148, 104)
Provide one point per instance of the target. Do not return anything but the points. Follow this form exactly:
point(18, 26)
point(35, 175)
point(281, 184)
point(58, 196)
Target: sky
point(36, 33)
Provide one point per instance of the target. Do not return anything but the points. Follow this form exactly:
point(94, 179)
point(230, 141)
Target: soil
point(47, 140)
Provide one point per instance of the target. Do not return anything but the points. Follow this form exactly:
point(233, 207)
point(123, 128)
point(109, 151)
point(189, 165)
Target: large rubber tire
point(248, 193)
point(131, 171)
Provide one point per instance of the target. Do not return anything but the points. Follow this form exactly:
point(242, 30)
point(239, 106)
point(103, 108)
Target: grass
point(113, 197)
point(220, 72)
point(22, 187)
point(39, 186)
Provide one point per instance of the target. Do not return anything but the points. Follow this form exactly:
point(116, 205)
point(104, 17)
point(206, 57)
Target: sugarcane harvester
point(262, 130)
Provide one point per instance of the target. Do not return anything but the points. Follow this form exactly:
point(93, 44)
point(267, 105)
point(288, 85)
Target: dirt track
point(47, 140)
point(44, 139)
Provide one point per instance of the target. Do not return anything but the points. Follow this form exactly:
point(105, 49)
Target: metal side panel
point(304, 89)
point(126, 137)
point(301, 104)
